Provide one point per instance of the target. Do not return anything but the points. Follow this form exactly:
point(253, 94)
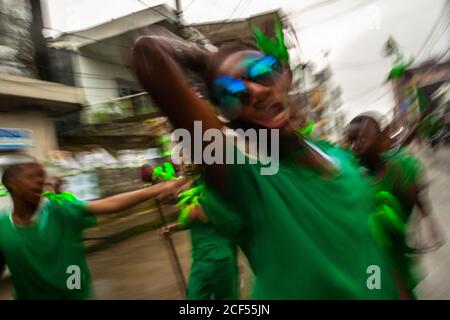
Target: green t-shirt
point(403, 170)
point(208, 245)
point(46, 257)
point(305, 237)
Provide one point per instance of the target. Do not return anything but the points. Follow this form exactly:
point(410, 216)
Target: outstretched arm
point(129, 199)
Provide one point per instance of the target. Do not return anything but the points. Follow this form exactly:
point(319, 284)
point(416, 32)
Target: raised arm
point(129, 199)
point(156, 61)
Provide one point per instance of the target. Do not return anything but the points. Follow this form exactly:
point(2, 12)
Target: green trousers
point(214, 280)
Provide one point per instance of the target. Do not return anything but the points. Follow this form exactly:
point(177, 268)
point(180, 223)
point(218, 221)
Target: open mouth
point(274, 122)
point(37, 192)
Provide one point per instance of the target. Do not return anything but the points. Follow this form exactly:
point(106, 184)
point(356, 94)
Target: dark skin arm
point(129, 199)
point(412, 197)
point(196, 213)
point(154, 61)
point(173, 227)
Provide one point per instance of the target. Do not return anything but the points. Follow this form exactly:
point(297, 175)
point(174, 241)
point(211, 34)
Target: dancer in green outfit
point(396, 178)
point(304, 229)
point(214, 272)
point(41, 240)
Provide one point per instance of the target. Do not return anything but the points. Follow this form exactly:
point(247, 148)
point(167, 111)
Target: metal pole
point(175, 261)
point(179, 12)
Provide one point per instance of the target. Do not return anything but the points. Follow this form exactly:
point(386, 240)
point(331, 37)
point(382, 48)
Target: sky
point(351, 31)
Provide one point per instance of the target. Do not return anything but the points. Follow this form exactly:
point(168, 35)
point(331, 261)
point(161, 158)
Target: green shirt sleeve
point(221, 214)
point(78, 214)
point(229, 209)
point(408, 170)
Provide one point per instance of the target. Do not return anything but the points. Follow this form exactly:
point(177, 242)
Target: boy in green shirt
point(214, 271)
point(398, 174)
point(41, 240)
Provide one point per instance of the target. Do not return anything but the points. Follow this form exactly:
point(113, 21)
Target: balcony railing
point(119, 109)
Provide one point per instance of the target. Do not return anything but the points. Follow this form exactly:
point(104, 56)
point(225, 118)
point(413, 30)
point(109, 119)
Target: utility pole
point(179, 12)
point(180, 22)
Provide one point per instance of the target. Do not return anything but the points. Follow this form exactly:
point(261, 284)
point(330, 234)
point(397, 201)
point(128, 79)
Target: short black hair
point(228, 48)
point(12, 172)
point(359, 119)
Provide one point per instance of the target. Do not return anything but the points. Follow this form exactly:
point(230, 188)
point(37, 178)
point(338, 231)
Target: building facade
point(28, 101)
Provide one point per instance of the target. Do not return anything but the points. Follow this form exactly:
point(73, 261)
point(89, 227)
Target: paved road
point(436, 265)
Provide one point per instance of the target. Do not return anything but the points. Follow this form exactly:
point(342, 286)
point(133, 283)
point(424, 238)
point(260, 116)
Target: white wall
point(42, 128)
point(97, 74)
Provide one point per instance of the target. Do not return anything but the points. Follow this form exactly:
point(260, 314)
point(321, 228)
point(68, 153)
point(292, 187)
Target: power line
point(379, 98)
point(101, 42)
point(246, 7)
point(373, 101)
point(84, 74)
point(76, 34)
point(443, 55)
point(439, 36)
point(189, 5)
point(358, 63)
point(154, 9)
point(433, 29)
point(443, 24)
point(62, 32)
point(90, 57)
point(314, 6)
point(364, 93)
point(345, 12)
point(229, 18)
point(357, 67)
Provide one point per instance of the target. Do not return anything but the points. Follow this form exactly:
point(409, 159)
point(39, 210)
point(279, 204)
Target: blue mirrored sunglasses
point(230, 94)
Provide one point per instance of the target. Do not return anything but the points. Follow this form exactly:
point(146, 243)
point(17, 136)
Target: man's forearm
point(129, 199)
point(123, 201)
point(174, 227)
